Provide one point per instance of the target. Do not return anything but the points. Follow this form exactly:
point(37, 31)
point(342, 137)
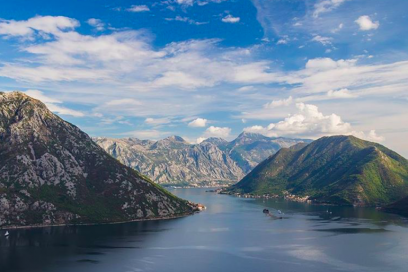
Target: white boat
point(6, 234)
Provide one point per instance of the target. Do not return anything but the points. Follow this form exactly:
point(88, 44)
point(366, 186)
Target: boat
point(265, 211)
point(6, 234)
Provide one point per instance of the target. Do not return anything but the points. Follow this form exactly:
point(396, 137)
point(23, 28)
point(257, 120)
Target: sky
point(213, 68)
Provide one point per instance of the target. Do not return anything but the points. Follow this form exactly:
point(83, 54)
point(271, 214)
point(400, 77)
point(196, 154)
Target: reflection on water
point(231, 235)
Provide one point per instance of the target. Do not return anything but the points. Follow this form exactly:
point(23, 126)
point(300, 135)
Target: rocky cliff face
point(212, 162)
point(174, 161)
point(53, 173)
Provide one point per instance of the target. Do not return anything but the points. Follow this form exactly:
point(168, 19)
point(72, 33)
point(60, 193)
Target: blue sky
point(205, 68)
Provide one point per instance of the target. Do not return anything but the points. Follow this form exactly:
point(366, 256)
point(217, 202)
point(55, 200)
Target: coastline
point(286, 196)
point(97, 224)
point(300, 199)
point(198, 208)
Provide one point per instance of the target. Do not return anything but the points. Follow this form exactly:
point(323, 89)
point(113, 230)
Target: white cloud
point(231, 19)
point(138, 8)
point(186, 20)
point(157, 121)
point(200, 140)
point(324, 6)
point(126, 102)
point(323, 40)
point(246, 89)
point(330, 95)
point(127, 59)
point(37, 25)
point(199, 122)
point(322, 75)
point(370, 136)
point(221, 132)
point(126, 65)
point(151, 134)
point(261, 130)
point(279, 103)
point(125, 106)
point(365, 23)
point(97, 24)
point(52, 104)
point(310, 122)
point(340, 27)
point(283, 40)
point(328, 64)
point(186, 3)
point(342, 93)
point(43, 98)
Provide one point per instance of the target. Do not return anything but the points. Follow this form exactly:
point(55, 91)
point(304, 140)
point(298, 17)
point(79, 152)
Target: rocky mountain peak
point(175, 138)
point(51, 170)
point(215, 141)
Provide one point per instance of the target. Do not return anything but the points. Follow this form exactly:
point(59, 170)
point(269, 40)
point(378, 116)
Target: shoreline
point(100, 224)
point(299, 199)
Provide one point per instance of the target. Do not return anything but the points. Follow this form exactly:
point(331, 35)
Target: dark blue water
point(231, 235)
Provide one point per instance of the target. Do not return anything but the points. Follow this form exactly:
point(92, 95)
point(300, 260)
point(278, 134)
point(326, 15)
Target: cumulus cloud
point(221, 132)
point(231, 19)
point(199, 122)
point(138, 8)
point(279, 103)
point(370, 136)
point(365, 23)
point(261, 130)
point(324, 6)
point(53, 104)
point(200, 140)
point(97, 24)
point(310, 122)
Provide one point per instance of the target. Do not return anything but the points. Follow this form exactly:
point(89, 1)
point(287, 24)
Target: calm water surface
point(231, 235)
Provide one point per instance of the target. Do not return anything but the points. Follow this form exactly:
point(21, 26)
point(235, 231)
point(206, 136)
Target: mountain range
point(214, 161)
point(53, 173)
point(337, 170)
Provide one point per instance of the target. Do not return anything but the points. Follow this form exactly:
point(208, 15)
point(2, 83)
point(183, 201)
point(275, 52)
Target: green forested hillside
point(338, 169)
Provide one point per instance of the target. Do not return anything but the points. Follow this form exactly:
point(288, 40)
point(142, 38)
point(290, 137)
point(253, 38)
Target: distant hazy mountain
point(175, 161)
point(53, 173)
point(249, 149)
point(339, 169)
